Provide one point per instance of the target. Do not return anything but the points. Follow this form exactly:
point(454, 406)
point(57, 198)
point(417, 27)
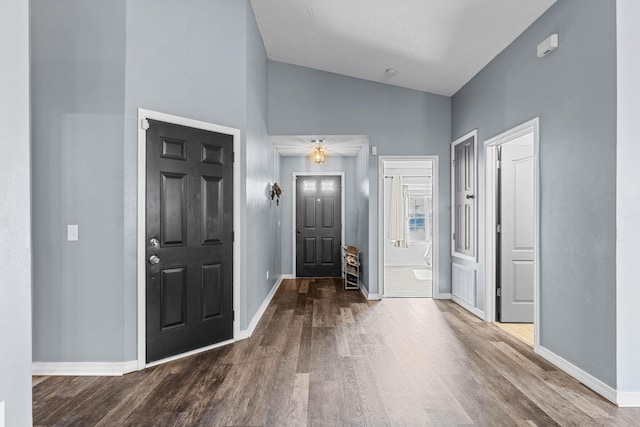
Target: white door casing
point(491, 215)
point(143, 115)
point(381, 218)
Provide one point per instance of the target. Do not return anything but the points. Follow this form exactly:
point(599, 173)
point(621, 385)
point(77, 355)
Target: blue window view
point(417, 222)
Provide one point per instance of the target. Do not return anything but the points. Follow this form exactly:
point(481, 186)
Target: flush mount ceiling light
point(318, 152)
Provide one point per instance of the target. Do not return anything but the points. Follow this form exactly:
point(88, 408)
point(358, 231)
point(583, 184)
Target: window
point(419, 218)
point(463, 196)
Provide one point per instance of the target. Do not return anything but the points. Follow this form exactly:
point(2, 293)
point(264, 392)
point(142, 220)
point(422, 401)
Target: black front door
point(189, 231)
point(318, 226)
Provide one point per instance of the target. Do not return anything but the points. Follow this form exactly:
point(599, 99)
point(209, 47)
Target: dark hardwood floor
point(327, 357)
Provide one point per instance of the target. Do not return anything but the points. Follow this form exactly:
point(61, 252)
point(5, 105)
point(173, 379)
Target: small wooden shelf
point(351, 267)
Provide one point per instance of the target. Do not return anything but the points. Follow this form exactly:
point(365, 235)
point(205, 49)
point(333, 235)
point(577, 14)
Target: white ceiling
point(435, 45)
point(333, 145)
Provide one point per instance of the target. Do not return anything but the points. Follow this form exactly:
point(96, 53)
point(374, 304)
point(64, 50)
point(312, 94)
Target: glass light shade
point(318, 155)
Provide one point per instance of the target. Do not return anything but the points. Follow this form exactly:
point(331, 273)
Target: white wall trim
point(628, 399)
point(443, 295)
point(79, 369)
point(369, 297)
point(627, 202)
point(490, 157)
point(189, 353)
point(473, 134)
point(343, 213)
point(402, 264)
point(585, 378)
point(141, 236)
point(471, 309)
point(246, 333)
point(435, 182)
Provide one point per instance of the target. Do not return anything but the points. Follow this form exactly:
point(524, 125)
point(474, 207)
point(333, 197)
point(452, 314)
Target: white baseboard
point(441, 295)
point(367, 295)
point(628, 399)
point(585, 378)
point(246, 333)
point(78, 369)
point(408, 264)
point(189, 353)
point(471, 309)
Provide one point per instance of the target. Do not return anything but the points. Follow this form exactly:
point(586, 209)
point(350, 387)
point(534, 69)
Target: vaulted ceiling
point(433, 45)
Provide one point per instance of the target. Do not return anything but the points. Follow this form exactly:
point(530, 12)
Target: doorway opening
point(512, 278)
point(408, 230)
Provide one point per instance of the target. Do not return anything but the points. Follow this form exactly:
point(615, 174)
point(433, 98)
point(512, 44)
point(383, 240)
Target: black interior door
point(318, 226)
point(189, 231)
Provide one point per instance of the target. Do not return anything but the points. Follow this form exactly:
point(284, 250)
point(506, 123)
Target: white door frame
point(435, 244)
point(491, 192)
point(141, 261)
point(343, 209)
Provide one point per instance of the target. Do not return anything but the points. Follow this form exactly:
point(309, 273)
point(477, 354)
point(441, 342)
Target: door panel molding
point(491, 214)
point(294, 176)
point(173, 150)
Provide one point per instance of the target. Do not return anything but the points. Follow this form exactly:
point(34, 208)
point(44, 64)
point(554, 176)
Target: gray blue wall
point(15, 216)
point(573, 91)
point(398, 121)
point(187, 59)
point(95, 63)
point(289, 165)
point(261, 236)
point(78, 86)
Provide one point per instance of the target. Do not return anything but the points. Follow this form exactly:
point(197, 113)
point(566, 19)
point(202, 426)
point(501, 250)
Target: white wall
point(628, 198)
point(15, 215)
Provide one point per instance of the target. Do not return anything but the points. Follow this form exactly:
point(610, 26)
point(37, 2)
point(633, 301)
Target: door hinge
point(233, 315)
point(233, 157)
point(498, 164)
point(453, 236)
point(499, 228)
point(233, 236)
point(144, 124)
point(499, 292)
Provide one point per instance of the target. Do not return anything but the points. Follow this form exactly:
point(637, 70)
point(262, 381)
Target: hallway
point(325, 356)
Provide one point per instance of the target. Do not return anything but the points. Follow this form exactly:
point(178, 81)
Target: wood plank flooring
point(322, 356)
point(522, 331)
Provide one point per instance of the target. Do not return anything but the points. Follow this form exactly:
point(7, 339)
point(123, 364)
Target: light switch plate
point(72, 232)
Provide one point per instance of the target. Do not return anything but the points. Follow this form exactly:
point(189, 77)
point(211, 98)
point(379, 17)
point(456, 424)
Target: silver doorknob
point(154, 242)
point(154, 259)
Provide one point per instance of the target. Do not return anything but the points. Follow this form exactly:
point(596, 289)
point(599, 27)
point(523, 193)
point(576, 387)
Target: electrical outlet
point(267, 274)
